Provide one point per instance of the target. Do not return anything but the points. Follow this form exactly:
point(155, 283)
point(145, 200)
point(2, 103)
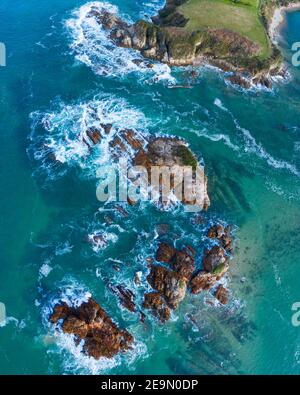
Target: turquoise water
point(250, 143)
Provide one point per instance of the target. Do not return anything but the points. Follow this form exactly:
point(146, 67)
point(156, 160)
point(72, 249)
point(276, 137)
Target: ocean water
point(59, 66)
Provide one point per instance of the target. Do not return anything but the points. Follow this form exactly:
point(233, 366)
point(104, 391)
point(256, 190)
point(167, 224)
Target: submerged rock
point(125, 296)
point(90, 323)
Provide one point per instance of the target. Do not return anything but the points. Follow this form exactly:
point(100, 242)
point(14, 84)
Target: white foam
point(73, 360)
point(45, 270)
point(64, 131)
point(252, 146)
point(101, 240)
point(92, 46)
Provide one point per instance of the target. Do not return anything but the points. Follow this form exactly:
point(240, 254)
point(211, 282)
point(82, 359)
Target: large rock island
point(232, 35)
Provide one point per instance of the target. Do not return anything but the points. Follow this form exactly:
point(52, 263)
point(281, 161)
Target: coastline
point(278, 19)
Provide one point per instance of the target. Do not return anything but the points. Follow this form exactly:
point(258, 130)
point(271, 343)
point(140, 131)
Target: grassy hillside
point(239, 16)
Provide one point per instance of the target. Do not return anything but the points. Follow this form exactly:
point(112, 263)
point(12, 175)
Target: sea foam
point(91, 45)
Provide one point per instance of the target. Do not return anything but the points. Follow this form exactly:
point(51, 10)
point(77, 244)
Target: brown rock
point(213, 258)
point(156, 303)
point(184, 264)
point(165, 253)
point(94, 135)
point(89, 322)
point(125, 296)
point(222, 294)
point(60, 312)
point(203, 281)
point(169, 283)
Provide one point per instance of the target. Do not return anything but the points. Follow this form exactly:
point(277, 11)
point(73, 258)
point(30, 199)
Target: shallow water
point(250, 144)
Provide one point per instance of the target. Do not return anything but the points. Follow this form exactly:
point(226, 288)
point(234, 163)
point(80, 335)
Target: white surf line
point(278, 18)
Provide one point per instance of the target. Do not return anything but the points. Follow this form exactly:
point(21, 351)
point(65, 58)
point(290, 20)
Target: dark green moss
point(186, 156)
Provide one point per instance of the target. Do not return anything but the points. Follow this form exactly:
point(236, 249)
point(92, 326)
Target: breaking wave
point(91, 44)
point(58, 138)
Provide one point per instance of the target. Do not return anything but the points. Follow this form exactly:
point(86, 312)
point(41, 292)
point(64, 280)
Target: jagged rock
point(90, 323)
point(203, 280)
point(168, 283)
point(125, 296)
point(184, 264)
point(214, 258)
point(94, 135)
point(237, 79)
point(165, 253)
point(223, 235)
point(182, 261)
point(155, 302)
point(222, 294)
point(106, 127)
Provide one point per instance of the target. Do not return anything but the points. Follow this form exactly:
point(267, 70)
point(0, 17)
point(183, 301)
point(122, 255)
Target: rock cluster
point(171, 282)
point(90, 323)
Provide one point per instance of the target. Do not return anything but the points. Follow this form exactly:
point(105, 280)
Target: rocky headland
point(173, 39)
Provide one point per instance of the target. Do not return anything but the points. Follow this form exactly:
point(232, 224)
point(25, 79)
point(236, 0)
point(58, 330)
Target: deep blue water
point(250, 142)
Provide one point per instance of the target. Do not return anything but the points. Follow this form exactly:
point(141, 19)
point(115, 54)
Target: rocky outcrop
point(172, 281)
point(168, 153)
point(169, 283)
point(125, 296)
point(166, 40)
point(215, 259)
point(174, 154)
point(90, 323)
point(156, 302)
point(222, 294)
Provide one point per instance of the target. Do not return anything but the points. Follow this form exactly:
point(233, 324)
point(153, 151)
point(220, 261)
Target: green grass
point(241, 17)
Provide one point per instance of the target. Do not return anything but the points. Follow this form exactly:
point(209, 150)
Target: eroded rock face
point(156, 302)
point(90, 323)
point(168, 283)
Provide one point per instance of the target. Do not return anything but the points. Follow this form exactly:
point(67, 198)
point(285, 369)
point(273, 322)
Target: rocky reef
point(179, 273)
point(167, 40)
point(90, 323)
point(168, 152)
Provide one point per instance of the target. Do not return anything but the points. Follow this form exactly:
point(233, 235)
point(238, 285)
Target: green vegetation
point(242, 17)
point(187, 157)
point(219, 269)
